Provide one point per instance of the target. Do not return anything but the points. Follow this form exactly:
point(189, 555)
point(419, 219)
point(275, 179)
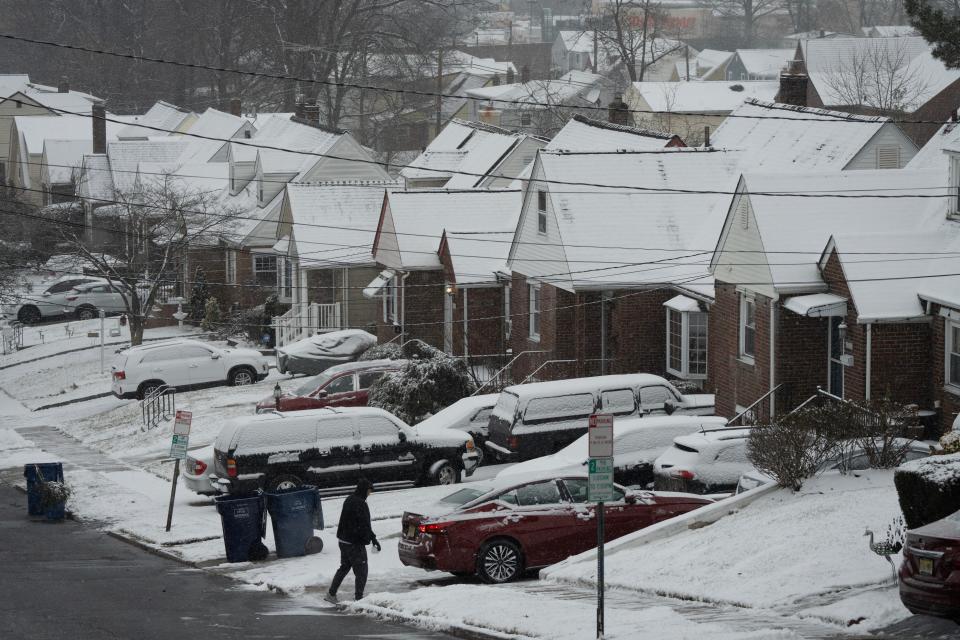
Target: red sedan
point(930, 573)
point(499, 532)
point(345, 385)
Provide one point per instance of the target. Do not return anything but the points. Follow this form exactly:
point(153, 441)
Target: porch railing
point(159, 406)
point(303, 321)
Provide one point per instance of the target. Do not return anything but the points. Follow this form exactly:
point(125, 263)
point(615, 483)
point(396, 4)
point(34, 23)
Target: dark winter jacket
point(354, 524)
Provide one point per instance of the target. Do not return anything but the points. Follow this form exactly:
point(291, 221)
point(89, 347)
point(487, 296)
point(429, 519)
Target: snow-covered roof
point(703, 97)
point(335, 223)
point(214, 124)
point(287, 134)
point(811, 139)
point(62, 157)
point(885, 287)
point(582, 385)
point(34, 130)
point(162, 115)
point(67, 103)
point(126, 155)
point(11, 83)
point(95, 181)
point(476, 258)
point(420, 218)
point(586, 134)
point(639, 217)
point(764, 63)
point(184, 177)
point(794, 229)
point(571, 85)
point(931, 155)
point(890, 31)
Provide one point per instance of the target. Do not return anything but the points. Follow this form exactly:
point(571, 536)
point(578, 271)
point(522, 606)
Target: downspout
point(345, 316)
point(466, 334)
point(773, 344)
point(869, 360)
point(403, 307)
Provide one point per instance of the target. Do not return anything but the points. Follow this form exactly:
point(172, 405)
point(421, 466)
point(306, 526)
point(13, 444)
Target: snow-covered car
point(333, 448)
point(312, 355)
point(30, 307)
point(471, 414)
point(197, 469)
point(344, 385)
point(537, 419)
point(184, 364)
point(85, 301)
point(637, 442)
point(710, 461)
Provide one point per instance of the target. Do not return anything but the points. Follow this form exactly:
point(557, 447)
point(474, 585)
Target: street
point(69, 580)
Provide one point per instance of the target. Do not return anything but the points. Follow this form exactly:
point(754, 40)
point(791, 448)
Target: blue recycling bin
point(36, 473)
point(294, 513)
point(244, 520)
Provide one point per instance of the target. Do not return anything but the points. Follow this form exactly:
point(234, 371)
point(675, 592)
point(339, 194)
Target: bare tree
point(631, 32)
point(747, 12)
point(878, 76)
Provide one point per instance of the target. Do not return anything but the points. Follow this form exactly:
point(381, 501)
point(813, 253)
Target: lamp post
point(277, 393)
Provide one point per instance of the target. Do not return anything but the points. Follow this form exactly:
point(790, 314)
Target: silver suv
point(29, 307)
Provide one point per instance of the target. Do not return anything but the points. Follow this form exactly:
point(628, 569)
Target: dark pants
point(352, 556)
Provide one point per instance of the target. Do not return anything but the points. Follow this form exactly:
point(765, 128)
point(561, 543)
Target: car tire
point(283, 481)
point(499, 561)
point(86, 313)
point(242, 376)
point(446, 474)
point(147, 387)
point(29, 315)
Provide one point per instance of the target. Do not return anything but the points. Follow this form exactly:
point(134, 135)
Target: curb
point(466, 632)
point(73, 401)
point(132, 541)
point(125, 343)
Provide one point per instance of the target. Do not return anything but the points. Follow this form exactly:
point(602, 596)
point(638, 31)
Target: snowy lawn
point(784, 551)
point(523, 615)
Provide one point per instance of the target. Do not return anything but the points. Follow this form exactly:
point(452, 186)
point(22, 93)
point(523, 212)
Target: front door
point(337, 463)
point(835, 366)
point(201, 366)
point(448, 323)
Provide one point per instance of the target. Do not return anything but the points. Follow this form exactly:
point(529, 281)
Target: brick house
point(413, 286)
point(806, 299)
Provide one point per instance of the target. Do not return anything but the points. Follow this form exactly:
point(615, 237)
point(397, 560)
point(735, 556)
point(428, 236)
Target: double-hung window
point(542, 211)
point(748, 327)
point(265, 270)
point(391, 298)
point(231, 266)
point(534, 312)
point(953, 354)
point(687, 344)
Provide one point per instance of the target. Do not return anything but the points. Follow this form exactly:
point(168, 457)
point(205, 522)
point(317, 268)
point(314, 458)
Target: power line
point(422, 93)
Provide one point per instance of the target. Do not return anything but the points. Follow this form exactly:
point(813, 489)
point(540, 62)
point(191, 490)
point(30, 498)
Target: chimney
point(617, 112)
point(64, 86)
point(299, 110)
point(525, 74)
point(793, 84)
point(99, 115)
point(236, 107)
point(511, 76)
point(706, 136)
point(311, 112)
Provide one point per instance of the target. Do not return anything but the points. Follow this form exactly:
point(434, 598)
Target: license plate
point(411, 530)
point(926, 566)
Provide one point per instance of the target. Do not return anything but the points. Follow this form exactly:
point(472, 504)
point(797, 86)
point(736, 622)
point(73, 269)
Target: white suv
point(86, 300)
point(184, 364)
point(31, 307)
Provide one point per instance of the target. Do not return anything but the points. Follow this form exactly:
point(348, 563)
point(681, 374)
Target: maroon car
point(930, 573)
point(344, 385)
point(500, 531)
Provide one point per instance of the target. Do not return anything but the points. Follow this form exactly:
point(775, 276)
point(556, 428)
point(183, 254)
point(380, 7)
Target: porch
point(305, 320)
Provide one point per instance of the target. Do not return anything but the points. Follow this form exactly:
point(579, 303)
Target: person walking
point(354, 533)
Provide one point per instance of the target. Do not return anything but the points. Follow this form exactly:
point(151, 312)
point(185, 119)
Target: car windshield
point(954, 517)
point(312, 384)
point(463, 496)
point(506, 406)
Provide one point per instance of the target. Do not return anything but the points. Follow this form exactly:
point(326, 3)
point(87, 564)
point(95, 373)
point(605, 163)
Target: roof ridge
point(665, 150)
point(839, 115)
point(483, 126)
point(640, 131)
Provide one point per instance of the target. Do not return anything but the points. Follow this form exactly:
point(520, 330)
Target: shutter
point(888, 157)
point(743, 213)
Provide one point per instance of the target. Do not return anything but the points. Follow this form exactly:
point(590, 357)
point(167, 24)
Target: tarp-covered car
point(312, 355)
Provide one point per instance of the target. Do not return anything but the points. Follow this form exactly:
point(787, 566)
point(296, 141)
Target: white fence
point(303, 321)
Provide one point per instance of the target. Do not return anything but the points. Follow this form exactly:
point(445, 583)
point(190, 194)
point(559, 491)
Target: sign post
point(178, 451)
point(600, 490)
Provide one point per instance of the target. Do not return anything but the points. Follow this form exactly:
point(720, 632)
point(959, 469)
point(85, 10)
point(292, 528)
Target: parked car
point(532, 420)
point(317, 353)
point(332, 448)
point(49, 303)
point(85, 301)
point(184, 364)
point(637, 442)
point(344, 385)
point(710, 461)
point(471, 414)
point(197, 469)
point(930, 572)
point(501, 529)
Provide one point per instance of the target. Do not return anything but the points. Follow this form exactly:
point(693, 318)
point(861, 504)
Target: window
point(618, 401)
point(343, 384)
point(525, 120)
point(188, 351)
point(287, 278)
point(542, 211)
point(510, 497)
point(653, 398)
point(535, 312)
point(687, 344)
point(578, 405)
point(538, 493)
point(160, 355)
point(748, 327)
point(376, 427)
point(231, 266)
point(368, 378)
point(577, 488)
point(507, 317)
point(482, 418)
point(391, 298)
point(265, 270)
point(953, 354)
point(955, 183)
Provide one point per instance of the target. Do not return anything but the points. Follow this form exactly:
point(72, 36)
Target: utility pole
point(439, 91)
point(596, 44)
point(686, 55)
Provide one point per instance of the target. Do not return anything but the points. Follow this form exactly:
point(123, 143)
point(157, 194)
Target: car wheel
point(284, 482)
point(86, 313)
point(499, 561)
point(242, 377)
point(147, 388)
point(29, 315)
point(446, 474)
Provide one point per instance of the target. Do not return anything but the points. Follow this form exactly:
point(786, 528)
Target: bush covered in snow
point(928, 489)
point(790, 450)
point(430, 381)
point(211, 315)
point(388, 351)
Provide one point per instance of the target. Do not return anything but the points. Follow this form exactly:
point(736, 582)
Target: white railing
point(324, 317)
point(303, 321)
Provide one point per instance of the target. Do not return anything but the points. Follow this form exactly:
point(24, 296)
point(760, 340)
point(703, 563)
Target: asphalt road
point(67, 580)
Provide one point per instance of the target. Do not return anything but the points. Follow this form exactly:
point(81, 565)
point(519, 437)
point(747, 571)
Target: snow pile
point(779, 552)
point(936, 469)
point(522, 615)
point(16, 451)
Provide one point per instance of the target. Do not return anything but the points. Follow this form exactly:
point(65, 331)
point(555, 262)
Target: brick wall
point(557, 330)
point(940, 108)
point(422, 305)
point(949, 400)
point(484, 323)
point(638, 332)
point(801, 356)
point(213, 260)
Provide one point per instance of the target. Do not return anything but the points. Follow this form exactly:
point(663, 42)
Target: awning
point(373, 289)
point(818, 305)
point(682, 304)
point(283, 244)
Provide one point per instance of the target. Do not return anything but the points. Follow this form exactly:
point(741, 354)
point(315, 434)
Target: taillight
point(683, 474)
point(199, 466)
point(119, 375)
point(435, 528)
point(514, 442)
point(231, 467)
point(470, 445)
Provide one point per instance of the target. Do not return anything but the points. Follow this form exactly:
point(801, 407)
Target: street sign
point(181, 422)
point(178, 451)
point(600, 438)
point(600, 480)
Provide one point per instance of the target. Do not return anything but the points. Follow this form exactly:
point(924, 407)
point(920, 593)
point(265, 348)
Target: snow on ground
point(524, 615)
point(779, 552)
point(883, 605)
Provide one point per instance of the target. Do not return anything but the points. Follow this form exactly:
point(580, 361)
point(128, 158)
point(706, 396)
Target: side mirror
point(669, 407)
point(402, 436)
point(322, 393)
point(45, 294)
point(214, 356)
point(630, 498)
